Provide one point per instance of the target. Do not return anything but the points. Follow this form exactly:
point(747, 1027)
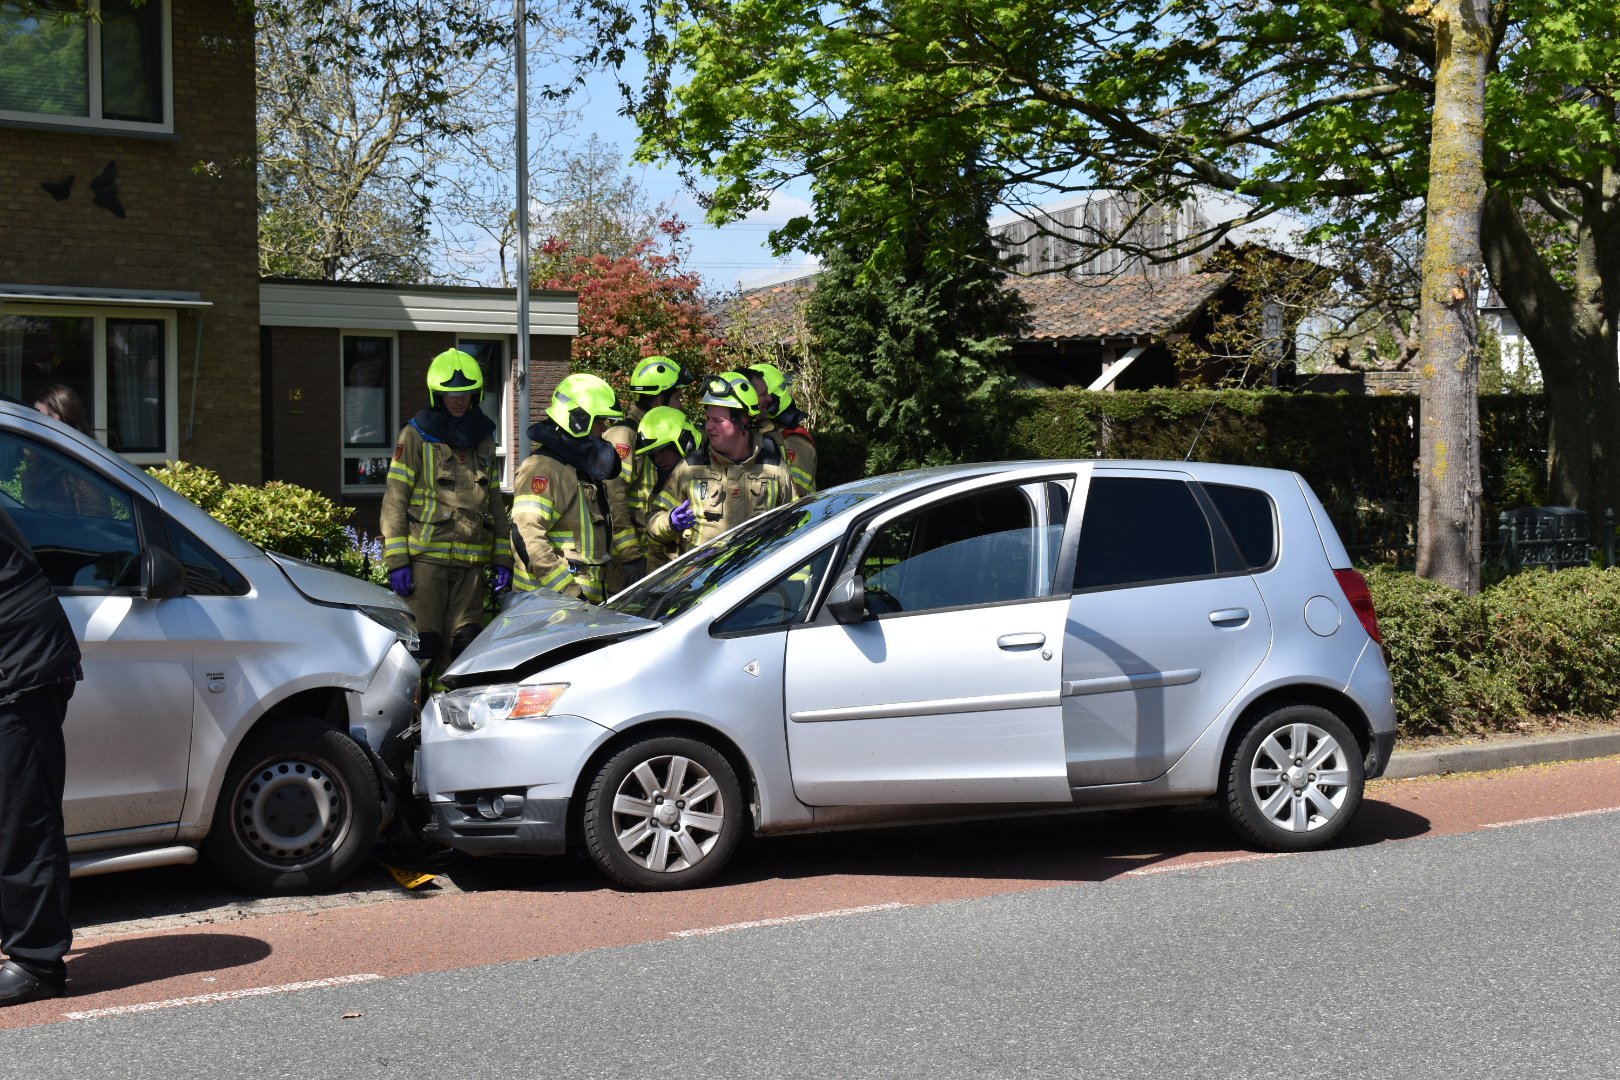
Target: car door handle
point(1020, 641)
point(1233, 616)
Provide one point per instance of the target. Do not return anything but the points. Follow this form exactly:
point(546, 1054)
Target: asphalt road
point(1493, 953)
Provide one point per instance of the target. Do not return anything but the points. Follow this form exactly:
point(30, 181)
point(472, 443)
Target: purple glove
point(503, 578)
point(402, 581)
point(682, 517)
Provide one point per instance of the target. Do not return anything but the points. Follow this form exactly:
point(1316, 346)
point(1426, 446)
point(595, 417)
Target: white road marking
point(785, 920)
point(226, 995)
point(1141, 871)
point(1551, 817)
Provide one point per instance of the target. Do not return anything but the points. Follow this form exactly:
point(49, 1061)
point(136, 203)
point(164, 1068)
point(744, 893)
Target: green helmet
point(666, 426)
point(454, 372)
point(656, 374)
point(579, 401)
point(776, 384)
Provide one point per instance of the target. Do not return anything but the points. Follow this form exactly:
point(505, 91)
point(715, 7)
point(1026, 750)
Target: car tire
point(298, 812)
point(1294, 780)
point(664, 813)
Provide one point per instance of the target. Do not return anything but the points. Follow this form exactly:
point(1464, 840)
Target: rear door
point(947, 692)
point(1165, 625)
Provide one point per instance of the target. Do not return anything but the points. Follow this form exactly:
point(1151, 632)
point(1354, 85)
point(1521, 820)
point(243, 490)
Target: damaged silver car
point(235, 702)
point(964, 641)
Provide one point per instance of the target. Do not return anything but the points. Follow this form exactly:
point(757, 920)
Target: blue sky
point(725, 256)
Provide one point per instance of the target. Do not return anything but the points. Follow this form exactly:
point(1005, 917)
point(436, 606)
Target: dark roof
point(771, 309)
point(1060, 308)
point(1065, 308)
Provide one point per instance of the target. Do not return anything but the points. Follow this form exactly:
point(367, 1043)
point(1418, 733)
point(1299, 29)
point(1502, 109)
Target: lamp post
point(521, 51)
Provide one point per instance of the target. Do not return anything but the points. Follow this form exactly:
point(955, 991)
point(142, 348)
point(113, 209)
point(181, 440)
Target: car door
point(946, 689)
point(128, 727)
point(1165, 625)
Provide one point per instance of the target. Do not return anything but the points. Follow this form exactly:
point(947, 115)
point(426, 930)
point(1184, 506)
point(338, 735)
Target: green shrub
point(1534, 650)
point(202, 486)
point(279, 517)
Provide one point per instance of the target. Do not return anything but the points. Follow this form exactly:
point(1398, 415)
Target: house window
point(369, 421)
point(491, 356)
point(123, 368)
point(107, 68)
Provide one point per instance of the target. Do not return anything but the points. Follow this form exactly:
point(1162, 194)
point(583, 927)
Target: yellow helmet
point(666, 426)
point(656, 374)
point(454, 372)
point(776, 385)
point(580, 400)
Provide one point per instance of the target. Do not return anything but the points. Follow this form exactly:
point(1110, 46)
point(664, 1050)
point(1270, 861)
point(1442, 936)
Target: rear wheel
point(1295, 779)
point(665, 813)
point(299, 810)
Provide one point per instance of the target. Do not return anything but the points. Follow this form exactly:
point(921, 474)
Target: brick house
point(129, 270)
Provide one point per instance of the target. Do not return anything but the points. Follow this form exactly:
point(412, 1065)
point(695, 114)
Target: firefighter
point(738, 475)
point(443, 518)
point(560, 516)
point(656, 382)
point(785, 422)
point(664, 437)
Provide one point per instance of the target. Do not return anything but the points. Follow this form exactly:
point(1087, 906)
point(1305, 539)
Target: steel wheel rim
point(1299, 778)
point(291, 811)
point(668, 813)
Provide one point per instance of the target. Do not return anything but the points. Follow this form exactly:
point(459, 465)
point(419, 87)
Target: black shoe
point(18, 985)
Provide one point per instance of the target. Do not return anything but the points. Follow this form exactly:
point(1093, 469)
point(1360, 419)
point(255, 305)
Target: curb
point(1503, 754)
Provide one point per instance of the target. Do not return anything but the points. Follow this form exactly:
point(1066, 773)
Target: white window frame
point(99, 406)
point(393, 423)
point(504, 417)
point(93, 86)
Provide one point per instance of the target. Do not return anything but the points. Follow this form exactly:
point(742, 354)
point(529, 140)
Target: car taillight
point(1360, 597)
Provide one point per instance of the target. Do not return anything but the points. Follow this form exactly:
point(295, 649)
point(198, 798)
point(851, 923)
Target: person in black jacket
point(39, 664)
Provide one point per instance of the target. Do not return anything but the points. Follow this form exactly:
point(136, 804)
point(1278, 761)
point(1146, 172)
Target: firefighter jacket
point(560, 518)
point(629, 493)
point(724, 493)
point(798, 448)
point(443, 503)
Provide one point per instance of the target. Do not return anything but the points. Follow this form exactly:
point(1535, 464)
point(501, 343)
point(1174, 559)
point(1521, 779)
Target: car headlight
point(397, 620)
point(479, 706)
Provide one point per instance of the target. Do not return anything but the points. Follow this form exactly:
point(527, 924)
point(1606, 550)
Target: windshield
point(672, 589)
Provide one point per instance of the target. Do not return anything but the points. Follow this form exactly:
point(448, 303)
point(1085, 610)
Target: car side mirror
point(846, 602)
point(162, 575)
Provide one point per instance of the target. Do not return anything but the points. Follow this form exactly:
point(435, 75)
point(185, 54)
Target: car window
point(780, 603)
point(674, 588)
point(1250, 518)
point(1139, 529)
point(80, 525)
point(980, 548)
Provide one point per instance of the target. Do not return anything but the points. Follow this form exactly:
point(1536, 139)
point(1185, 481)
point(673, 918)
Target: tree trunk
point(1572, 330)
point(1448, 447)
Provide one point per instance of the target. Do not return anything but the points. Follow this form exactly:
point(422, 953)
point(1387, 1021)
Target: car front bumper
point(504, 789)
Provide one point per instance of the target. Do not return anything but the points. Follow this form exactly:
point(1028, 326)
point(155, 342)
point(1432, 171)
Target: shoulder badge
point(623, 449)
point(539, 484)
point(791, 455)
point(399, 450)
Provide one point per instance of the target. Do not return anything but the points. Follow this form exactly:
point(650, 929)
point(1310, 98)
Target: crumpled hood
point(326, 586)
point(537, 623)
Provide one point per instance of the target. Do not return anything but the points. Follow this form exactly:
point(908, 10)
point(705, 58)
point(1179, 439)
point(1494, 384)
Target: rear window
point(1250, 518)
point(1138, 530)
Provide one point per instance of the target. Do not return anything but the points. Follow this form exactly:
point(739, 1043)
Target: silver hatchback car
point(970, 640)
point(234, 701)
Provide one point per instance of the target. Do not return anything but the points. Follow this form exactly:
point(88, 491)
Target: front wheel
point(299, 810)
point(1295, 779)
point(665, 813)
